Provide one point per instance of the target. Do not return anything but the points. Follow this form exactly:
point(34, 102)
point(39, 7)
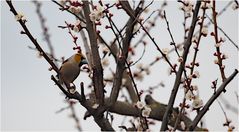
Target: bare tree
point(128, 39)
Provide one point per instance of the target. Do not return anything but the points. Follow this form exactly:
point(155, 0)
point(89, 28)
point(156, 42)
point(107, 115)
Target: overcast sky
point(29, 99)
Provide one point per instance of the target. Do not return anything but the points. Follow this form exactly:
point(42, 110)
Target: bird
point(70, 69)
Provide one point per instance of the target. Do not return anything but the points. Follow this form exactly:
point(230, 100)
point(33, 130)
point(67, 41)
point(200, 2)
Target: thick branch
point(181, 68)
point(158, 109)
point(121, 59)
point(96, 67)
point(221, 89)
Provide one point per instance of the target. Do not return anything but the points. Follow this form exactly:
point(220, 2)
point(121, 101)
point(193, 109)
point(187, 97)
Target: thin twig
point(204, 110)
point(180, 70)
point(225, 34)
point(218, 52)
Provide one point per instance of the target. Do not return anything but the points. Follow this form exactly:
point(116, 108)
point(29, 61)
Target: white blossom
point(97, 13)
point(62, 2)
point(75, 10)
point(189, 95)
point(140, 105)
point(188, 7)
point(93, 16)
point(197, 103)
point(146, 111)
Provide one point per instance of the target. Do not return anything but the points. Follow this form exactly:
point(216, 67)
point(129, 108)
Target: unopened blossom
point(182, 124)
point(124, 81)
point(139, 65)
point(140, 105)
point(180, 47)
point(216, 61)
point(204, 31)
point(235, 6)
point(20, 16)
point(224, 56)
point(136, 28)
point(146, 111)
point(195, 46)
point(195, 87)
point(180, 59)
point(196, 73)
point(62, 2)
point(72, 90)
point(194, 39)
point(138, 76)
point(206, 5)
point(197, 103)
point(105, 62)
point(218, 45)
point(169, 71)
point(165, 51)
point(223, 39)
point(147, 70)
point(78, 26)
point(95, 106)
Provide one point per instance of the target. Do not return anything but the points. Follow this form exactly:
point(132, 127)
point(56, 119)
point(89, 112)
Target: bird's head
point(80, 59)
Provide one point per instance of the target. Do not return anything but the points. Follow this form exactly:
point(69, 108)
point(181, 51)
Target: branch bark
point(121, 59)
point(96, 67)
point(221, 89)
point(181, 68)
point(34, 41)
point(158, 109)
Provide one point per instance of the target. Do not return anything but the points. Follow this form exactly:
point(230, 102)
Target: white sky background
point(29, 98)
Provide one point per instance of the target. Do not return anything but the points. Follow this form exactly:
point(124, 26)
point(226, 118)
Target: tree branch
point(96, 67)
point(221, 89)
point(34, 41)
point(121, 59)
point(181, 68)
point(158, 109)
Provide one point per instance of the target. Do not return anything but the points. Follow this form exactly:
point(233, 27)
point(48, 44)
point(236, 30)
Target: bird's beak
point(83, 61)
